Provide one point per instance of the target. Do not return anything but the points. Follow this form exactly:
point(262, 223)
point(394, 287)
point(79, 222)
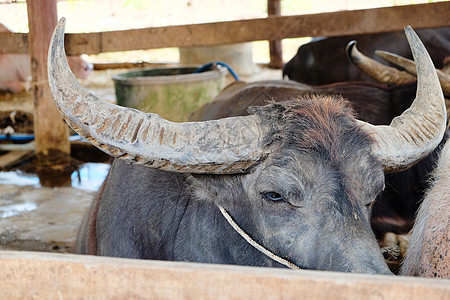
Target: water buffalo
point(15, 69)
point(324, 61)
point(395, 208)
point(289, 185)
point(428, 254)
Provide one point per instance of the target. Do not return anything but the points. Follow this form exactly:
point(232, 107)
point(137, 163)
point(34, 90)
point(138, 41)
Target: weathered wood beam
point(50, 131)
point(275, 48)
point(430, 15)
point(13, 158)
point(272, 28)
point(26, 275)
point(11, 42)
point(128, 65)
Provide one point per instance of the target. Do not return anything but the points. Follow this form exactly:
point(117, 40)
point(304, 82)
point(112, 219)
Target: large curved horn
point(224, 146)
point(376, 70)
point(410, 67)
point(414, 134)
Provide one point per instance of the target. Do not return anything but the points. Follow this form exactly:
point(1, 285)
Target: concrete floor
point(34, 218)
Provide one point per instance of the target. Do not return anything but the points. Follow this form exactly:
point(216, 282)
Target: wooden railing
point(27, 275)
point(347, 22)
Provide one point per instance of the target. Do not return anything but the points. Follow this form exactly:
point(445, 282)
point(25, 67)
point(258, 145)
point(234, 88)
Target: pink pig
point(15, 69)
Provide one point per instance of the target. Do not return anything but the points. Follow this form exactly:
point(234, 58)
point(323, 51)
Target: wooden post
point(51, 133)
point(276, 52)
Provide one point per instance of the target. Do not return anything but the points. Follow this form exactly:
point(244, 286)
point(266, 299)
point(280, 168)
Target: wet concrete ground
point(41, 219)
point(35, 218)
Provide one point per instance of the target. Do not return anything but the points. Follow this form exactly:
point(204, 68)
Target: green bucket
point(172, 93)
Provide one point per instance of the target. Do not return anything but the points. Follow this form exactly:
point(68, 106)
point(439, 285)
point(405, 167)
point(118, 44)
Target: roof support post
point(51, 132)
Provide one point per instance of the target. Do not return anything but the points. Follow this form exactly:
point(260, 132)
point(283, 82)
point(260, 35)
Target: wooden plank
point(13, 158)
point(430, 15)
point(51, 133)
point(273, 28)
point(275, 49)
point(26, 275)
point(85, 43)
point(11, 42)
point(129, 65)
point(18, 147)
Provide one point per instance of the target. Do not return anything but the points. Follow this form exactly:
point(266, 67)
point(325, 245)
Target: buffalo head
point(298, 177)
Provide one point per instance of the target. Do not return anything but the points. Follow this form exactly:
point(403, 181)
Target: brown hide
point(373, 103)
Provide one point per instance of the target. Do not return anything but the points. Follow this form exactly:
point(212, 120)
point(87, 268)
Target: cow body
point(324, 60)
point(375, 103)
point(15, 69)
point(428, 254)
point(176, 217)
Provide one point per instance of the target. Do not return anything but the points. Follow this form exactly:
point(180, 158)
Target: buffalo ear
point(199, 188)
point(217, 189)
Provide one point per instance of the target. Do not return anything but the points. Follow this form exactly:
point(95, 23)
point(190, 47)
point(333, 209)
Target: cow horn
point(410, 67)
point(223, 146)
point(419, 129)
point(376, 70)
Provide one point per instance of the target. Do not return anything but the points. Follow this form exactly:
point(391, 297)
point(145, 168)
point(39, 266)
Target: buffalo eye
point(273, 196)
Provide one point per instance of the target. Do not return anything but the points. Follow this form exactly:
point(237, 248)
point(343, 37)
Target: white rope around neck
point(252, 242)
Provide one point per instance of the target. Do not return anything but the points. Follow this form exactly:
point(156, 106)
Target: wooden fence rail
point(31, 275)
point(385, 19)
